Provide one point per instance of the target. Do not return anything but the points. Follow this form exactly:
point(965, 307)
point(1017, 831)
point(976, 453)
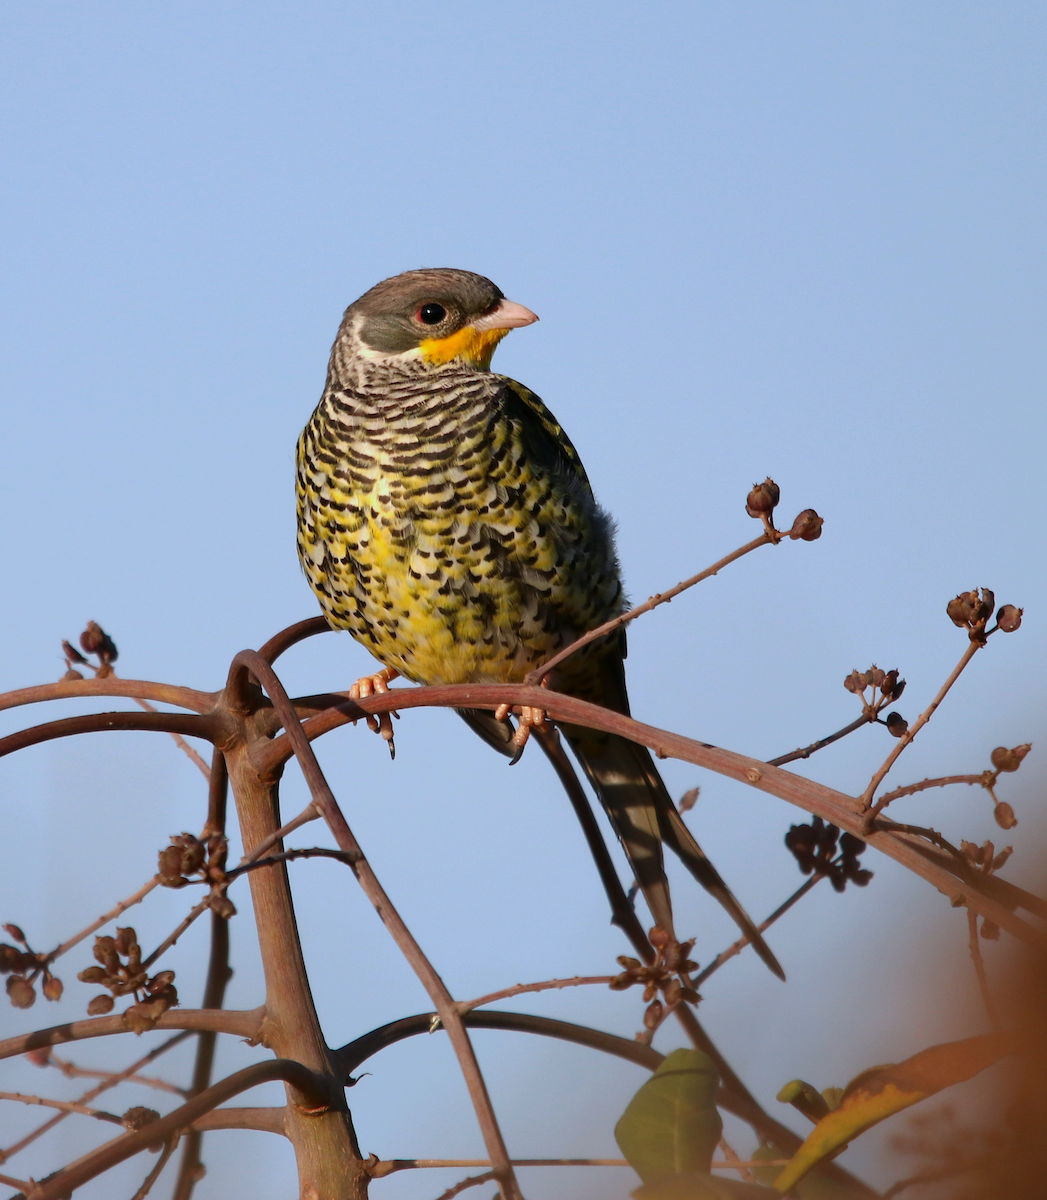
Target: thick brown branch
point(181, 723)
point(310, 1085)
point(325, 801)
point(130, 689)
point(244, 1023)
point(267, 1120)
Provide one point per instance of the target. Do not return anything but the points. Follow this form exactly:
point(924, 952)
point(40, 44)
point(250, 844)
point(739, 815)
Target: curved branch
point(291, 636)
point(189, 724)
point(362, 1048)
point(129, 689)
point(245, 1023)
point(953, 878)
point(313, 1086)
point(267, 1120)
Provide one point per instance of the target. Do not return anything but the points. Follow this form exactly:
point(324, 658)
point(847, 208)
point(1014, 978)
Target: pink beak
point(507, 315)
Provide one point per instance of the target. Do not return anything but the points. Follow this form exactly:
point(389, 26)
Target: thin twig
point(911, 789)
point(735, 1163)
point(309, 813)
point(65, 1106)
point(866, 798)
point(128, 1074)
point(179, 741)
point(519, 989)
point(738, 946)
point(979, 970)
point(270, 860)
point(23, 1185)
point(71, 1071)
point(389, 1166)
point(807, 751)
point(471, 1181)
point(539, 673)
point(323, 797)
point(154, 1174)
point(129, 689)
point(177, 932)
point(111, 915)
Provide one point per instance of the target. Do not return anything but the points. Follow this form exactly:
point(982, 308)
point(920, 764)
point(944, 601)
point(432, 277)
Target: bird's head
point(436, 316)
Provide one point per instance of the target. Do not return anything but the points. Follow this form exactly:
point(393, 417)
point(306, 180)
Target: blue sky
point(802, 240)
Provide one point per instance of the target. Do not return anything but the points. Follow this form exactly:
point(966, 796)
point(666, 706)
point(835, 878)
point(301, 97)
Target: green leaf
point(882, 1091)
point(671, 1126)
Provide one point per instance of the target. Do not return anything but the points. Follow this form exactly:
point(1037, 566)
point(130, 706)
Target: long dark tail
point(644, 815)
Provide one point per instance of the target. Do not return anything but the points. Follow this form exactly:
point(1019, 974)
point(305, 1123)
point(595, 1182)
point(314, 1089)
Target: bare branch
point(154, 1174)
point(111, 1078)
point(519, 989)
point(244, 1023)
point(807, 751)
point(65, 1106)
point(267, 1120)
point(601, 631)
point(309, 813)
point(944, 781)
point(471, 1181)
point(291, 636)
point(187, 723)
point(63, 1182)
point(866, 798)
point(979, 970)
point(110, 685)
point(23, 1185)
point(105, 918)
point(324, 799)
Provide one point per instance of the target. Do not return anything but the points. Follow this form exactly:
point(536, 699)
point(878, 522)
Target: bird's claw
point(528, 718)
point(377, 684)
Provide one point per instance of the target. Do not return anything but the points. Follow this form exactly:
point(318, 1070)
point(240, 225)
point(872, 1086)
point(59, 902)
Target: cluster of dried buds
point(663, 975)
point(814, 848)
point(763, 500)
point(23, 968)
point(972, 610)
point(985, 859)
point(94, 641)
point(188, 857)
point(889, 686)
point(1004, 760)
point(154, 995)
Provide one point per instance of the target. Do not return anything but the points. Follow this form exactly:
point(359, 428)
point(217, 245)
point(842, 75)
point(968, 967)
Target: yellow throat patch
point(473, 346)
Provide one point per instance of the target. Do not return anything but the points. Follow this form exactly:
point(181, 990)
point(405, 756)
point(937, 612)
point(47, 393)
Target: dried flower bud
point(986, 853)
point(95, 640)
point(854, 682)
point(654, 1015)
point(990, 930)
point(126, 941)
point(138, 1118)
point(71, 676)
point(851, 846)
point(985, 606)
point(959, 610)
point(630, 964)
point(1009, 618)
point(658, 937)
point(105, 952)
point(970, 850)
point(15, 932)
point(170, 868)
point(222, 907)
point(762, 499)
point(40, 1057)
point(860, 878)
point(10, 958)
point(1004, 815)
point(896, 724)
point(875, 676)
point(1009, 760)
point(807, 527)
point(72, 654)
point(20, 992)
point(53, 988)
point(891, 686)
point(688, 799)
point(672, 991)
point(100, 1005)
point(1002, 857)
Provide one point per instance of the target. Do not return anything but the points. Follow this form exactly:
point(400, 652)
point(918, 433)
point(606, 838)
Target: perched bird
point(446, 520)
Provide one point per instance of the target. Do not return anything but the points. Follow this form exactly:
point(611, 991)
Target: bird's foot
point(377, 684)
point(528, 718)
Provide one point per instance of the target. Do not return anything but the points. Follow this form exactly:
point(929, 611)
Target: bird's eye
point(431, 314)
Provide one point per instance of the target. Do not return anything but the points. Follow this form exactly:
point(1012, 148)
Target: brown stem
point(218, 975)
point(912, 788)
point(807, 751)
point(246, 1023)
point(180, 742)
point(154, 1174)
point(979, 970)
point(63, 1106)
point(267, 1120)
point(916, 726)
point(324, 799)
point(111, 915)
point(520, 989)
point(539, 673)
point(217, 795)
point(312, 1088)
point(187, 723)
point(462, 1184)
point(111, 685)
point(110, 1081)
point(943, 873)
point(291, 636)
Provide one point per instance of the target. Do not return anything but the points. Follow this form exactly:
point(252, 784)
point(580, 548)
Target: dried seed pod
point(807, 527)
point(896, 724)
point(763, 498)
point(1004, 816)
point(15, 932)
point(20, 992)
point(72, 654)
point(100, 1005)
point(1009, 618)
point(71, 676)
point(10, 958)
point(53, 988)
point(652, 1018)
point(855, 682)
point(1002, 857)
